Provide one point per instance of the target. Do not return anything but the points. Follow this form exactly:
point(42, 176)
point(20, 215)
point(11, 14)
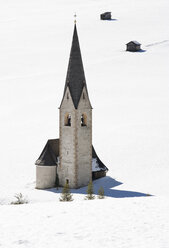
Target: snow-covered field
point(130, 96)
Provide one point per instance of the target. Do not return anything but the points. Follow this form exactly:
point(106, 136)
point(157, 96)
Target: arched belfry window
point(83, 120)
point(68, 120)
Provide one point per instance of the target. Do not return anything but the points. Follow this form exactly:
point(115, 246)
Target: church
point(71, 158)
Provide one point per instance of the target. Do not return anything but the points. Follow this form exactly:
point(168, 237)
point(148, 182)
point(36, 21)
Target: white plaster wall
point(45, 176)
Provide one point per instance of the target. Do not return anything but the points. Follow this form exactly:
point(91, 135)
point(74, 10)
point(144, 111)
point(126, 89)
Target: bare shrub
point(20, 199)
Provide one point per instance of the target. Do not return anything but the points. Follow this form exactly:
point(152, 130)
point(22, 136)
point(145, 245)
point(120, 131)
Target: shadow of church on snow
point(108, 183)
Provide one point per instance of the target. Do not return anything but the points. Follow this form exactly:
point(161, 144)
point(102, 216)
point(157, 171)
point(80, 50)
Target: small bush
point(20, 199)
point(66, 195)
point(90, 191)
point(101, 193)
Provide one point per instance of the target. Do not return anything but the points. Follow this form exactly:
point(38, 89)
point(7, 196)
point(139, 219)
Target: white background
point(129, 93)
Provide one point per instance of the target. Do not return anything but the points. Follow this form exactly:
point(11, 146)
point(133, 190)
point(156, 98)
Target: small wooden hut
point(133, 46)
point(105, 16)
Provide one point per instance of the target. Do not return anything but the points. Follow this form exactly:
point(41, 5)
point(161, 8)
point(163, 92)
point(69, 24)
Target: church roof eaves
point(50, 154)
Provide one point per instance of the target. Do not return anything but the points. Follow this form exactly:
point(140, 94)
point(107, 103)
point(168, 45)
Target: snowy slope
point(129, 93)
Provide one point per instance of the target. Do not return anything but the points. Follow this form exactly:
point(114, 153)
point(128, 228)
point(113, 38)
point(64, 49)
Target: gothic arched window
point(83, 120)
point(68, 120)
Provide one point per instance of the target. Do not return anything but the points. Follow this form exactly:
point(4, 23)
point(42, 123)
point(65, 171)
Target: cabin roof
point(134, 42)
point(105, 13)
point(50, 155)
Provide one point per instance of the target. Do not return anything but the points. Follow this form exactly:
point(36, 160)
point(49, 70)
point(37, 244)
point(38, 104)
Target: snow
point(95, 165)
point(129, 95)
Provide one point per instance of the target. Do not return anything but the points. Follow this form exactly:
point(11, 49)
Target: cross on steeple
point(75, 18)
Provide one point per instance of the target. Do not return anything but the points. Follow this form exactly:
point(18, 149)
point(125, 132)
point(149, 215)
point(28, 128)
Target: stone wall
point(84, 141)
point(66, 168)
point(75, 142)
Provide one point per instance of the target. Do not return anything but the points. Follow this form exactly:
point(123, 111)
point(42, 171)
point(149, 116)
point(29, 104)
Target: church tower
point(71, 158)
point(75, 143)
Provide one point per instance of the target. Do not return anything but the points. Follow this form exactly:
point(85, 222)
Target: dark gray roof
point(101, 165)
point(50, 154)
point(105, 13)
point(75, 79)
point(134, 41)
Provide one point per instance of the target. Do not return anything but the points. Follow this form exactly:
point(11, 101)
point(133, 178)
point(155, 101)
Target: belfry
point(71, 158)
point(75, 124)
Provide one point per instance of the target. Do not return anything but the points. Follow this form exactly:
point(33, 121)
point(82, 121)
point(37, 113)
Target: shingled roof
point(134, 42)
point(75, 79)
point(50, 155)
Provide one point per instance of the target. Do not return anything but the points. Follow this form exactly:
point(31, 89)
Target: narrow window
point(67, 181)
point(67, 95)
point(83, 95)
point(83, 120)
point(68, 120)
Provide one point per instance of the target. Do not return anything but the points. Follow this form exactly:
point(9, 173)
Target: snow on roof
point(95, 165)
point(134, 41)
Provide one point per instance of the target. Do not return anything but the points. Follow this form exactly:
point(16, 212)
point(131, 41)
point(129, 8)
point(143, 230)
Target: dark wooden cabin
point(105, 16)
point(133, 46)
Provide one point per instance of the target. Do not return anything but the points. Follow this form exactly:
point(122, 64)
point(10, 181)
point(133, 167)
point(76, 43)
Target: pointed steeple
point(75, 79)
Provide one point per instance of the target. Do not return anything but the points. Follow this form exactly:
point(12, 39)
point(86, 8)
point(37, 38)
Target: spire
point(75, 79)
